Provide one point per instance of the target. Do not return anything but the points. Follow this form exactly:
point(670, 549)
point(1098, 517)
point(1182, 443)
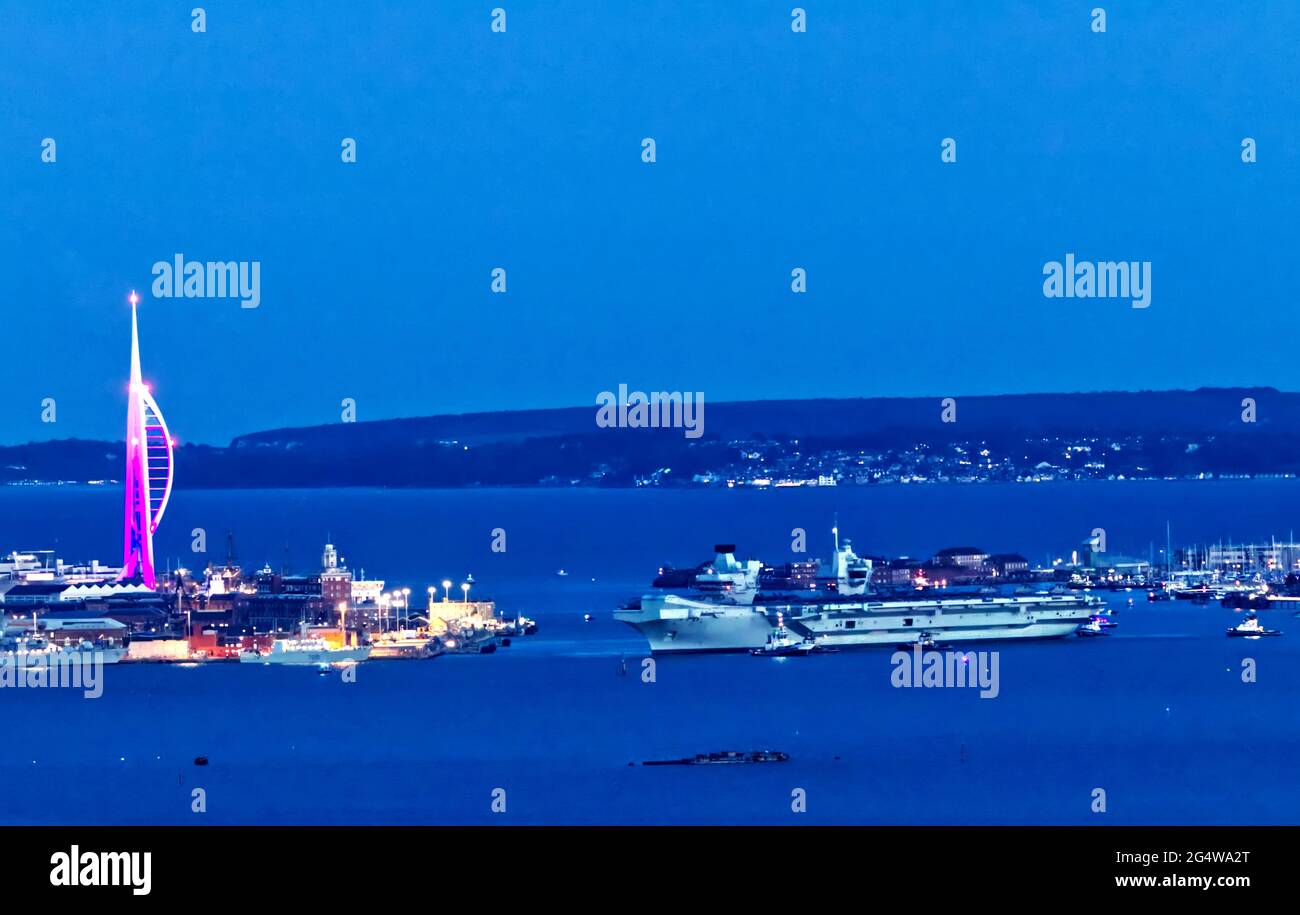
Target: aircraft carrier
point(724, 611)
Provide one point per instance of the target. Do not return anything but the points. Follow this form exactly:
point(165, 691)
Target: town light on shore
point(446, 590)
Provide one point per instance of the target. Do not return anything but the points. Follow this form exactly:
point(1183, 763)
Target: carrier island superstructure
point(722, 609)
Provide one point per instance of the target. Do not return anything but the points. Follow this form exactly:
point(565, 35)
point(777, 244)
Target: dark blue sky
point(522, 150)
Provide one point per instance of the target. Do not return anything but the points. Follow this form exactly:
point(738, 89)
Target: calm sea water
point(1157, 715)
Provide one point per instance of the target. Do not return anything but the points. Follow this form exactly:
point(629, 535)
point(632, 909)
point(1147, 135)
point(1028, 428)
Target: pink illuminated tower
point(148, 470)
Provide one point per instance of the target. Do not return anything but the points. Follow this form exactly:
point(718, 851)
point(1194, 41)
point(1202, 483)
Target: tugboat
point(1249, 628)
point(781, 644)
point(1103, 620)
point(927, 643)
point(1091, 629)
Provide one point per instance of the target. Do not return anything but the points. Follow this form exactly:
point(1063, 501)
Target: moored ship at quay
point(725, 608)
point(226, 614)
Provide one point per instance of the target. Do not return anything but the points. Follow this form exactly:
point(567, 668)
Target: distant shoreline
point(114, 486)
point(1158, 435)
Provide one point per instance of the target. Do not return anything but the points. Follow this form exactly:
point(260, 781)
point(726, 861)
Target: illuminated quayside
point(223, 613)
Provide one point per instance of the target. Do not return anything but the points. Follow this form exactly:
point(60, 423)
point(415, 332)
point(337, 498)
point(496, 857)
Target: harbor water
point(1157, 715)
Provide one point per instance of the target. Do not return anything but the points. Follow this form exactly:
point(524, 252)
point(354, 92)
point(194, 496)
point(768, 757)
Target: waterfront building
point(283, 612)
point(367, 591)
point(793, 576)
point(900, 571)
point(461, 615)
point(64, 595)
point(1007, 565)
point(335, 579)
point(1253, 557)
point(158, 648)
point(32, 593)
point(71, 632)
point(962, 557)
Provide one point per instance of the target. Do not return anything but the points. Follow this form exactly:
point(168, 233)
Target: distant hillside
point(1158, 434)
point(875, 419)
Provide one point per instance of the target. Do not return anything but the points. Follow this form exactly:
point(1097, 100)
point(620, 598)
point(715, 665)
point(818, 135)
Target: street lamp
point(465, 588)
point(406, 606)
point(446, 587)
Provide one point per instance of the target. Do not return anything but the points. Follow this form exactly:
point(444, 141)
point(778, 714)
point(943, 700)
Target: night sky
point(522, 150)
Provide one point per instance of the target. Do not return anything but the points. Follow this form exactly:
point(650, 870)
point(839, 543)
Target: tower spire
point(148, 469)
point(136, 380)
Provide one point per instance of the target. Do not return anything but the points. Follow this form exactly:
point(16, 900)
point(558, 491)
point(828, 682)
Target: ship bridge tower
point(149, 469)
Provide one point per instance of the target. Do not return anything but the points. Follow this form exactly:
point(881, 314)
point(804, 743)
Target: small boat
point(1249, 628)
point(927, 642)
point(587, 617)
point(1091, 629)
point(1103, 620)
point(781, 644)
point(562, 573)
